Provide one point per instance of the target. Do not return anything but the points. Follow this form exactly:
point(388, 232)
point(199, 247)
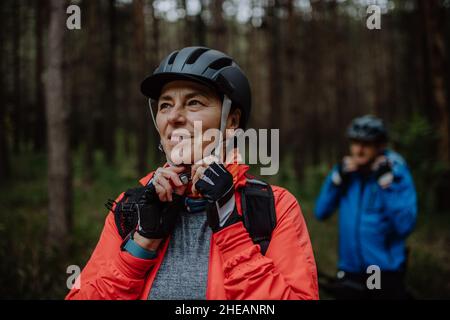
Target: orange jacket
point(237, 269)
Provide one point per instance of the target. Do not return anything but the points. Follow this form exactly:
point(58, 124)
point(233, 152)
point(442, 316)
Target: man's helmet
point(367, 128)
point(208, 67)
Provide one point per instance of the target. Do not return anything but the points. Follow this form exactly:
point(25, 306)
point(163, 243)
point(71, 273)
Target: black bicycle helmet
point(207, 66)
point(367, 128)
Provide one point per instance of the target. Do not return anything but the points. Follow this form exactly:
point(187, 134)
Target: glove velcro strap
point(157, 220)
point(226, 197)
point(153, 221)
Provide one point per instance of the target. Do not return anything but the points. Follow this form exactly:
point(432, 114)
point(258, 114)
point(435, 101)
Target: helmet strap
point(160, 146)
point(151, 112)
point(226, 107)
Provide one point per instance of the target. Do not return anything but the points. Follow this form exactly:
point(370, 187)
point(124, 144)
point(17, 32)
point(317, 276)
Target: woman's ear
point(233, 119)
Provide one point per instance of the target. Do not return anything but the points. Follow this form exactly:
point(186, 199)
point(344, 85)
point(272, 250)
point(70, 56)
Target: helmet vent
point(221, 63)
point(172, 58)
point(194, 56)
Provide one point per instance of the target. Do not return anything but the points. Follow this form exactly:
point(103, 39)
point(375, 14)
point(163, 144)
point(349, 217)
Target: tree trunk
point(218, 28)
point(188, 27)
point(314, 77)
point(341, 82)
point(141, 118)
point(200, 27)
point(291, 76)
point(92, 111)
point(39, 125)
point(17, 112)
point(154, 60)
point(4, 151)
point(109, 103)
point(435, 45)
point(275, 72)
point(59, 165)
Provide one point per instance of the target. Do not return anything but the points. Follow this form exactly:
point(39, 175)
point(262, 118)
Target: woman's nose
point(177, 114)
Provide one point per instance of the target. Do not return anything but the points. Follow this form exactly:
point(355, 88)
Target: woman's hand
point(199, 168)
point(167, 181)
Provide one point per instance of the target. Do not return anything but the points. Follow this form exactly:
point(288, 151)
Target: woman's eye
point(163, 106)
point(195, 103)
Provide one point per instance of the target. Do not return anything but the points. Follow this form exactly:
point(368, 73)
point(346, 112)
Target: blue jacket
point(373, 222)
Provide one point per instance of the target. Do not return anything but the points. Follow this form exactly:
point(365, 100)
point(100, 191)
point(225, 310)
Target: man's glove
point(216, 185)
point(341, 174)
point(382, 169)
point(141, 208)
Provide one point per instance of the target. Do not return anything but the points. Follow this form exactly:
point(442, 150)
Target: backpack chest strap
point(258, 212)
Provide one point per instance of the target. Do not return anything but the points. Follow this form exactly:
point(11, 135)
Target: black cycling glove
point(216, 185)
point(383, 172)
point(141, 208)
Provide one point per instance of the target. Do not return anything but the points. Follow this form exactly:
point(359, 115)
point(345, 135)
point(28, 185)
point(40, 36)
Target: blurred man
point(375, 193)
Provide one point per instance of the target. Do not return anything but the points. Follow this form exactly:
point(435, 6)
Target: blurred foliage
point(416, 139)
point(28, 269)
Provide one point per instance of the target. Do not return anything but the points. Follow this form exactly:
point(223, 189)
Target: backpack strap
point(258, 212)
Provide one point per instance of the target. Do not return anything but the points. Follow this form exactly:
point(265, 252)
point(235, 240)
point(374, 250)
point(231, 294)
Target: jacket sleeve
point(400, 201)
point(287, 271)
point(110, 272)
point(328, 199)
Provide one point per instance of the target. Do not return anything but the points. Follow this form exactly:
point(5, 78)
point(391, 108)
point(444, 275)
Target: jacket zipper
point(358, 223)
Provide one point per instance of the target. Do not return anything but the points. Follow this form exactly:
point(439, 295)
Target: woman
point(178, 240)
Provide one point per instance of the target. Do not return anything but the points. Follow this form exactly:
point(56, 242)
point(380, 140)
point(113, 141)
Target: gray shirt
point(183, 273)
